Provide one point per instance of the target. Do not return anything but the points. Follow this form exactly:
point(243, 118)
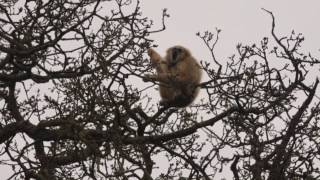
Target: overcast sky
point(239, 20)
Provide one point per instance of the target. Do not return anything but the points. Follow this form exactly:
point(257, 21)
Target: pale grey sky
point(239, 20)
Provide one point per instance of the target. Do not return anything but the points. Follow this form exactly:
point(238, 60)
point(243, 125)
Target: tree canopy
point(74, 106)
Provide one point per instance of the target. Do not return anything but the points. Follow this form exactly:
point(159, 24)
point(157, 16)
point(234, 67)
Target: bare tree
point(70, 109)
